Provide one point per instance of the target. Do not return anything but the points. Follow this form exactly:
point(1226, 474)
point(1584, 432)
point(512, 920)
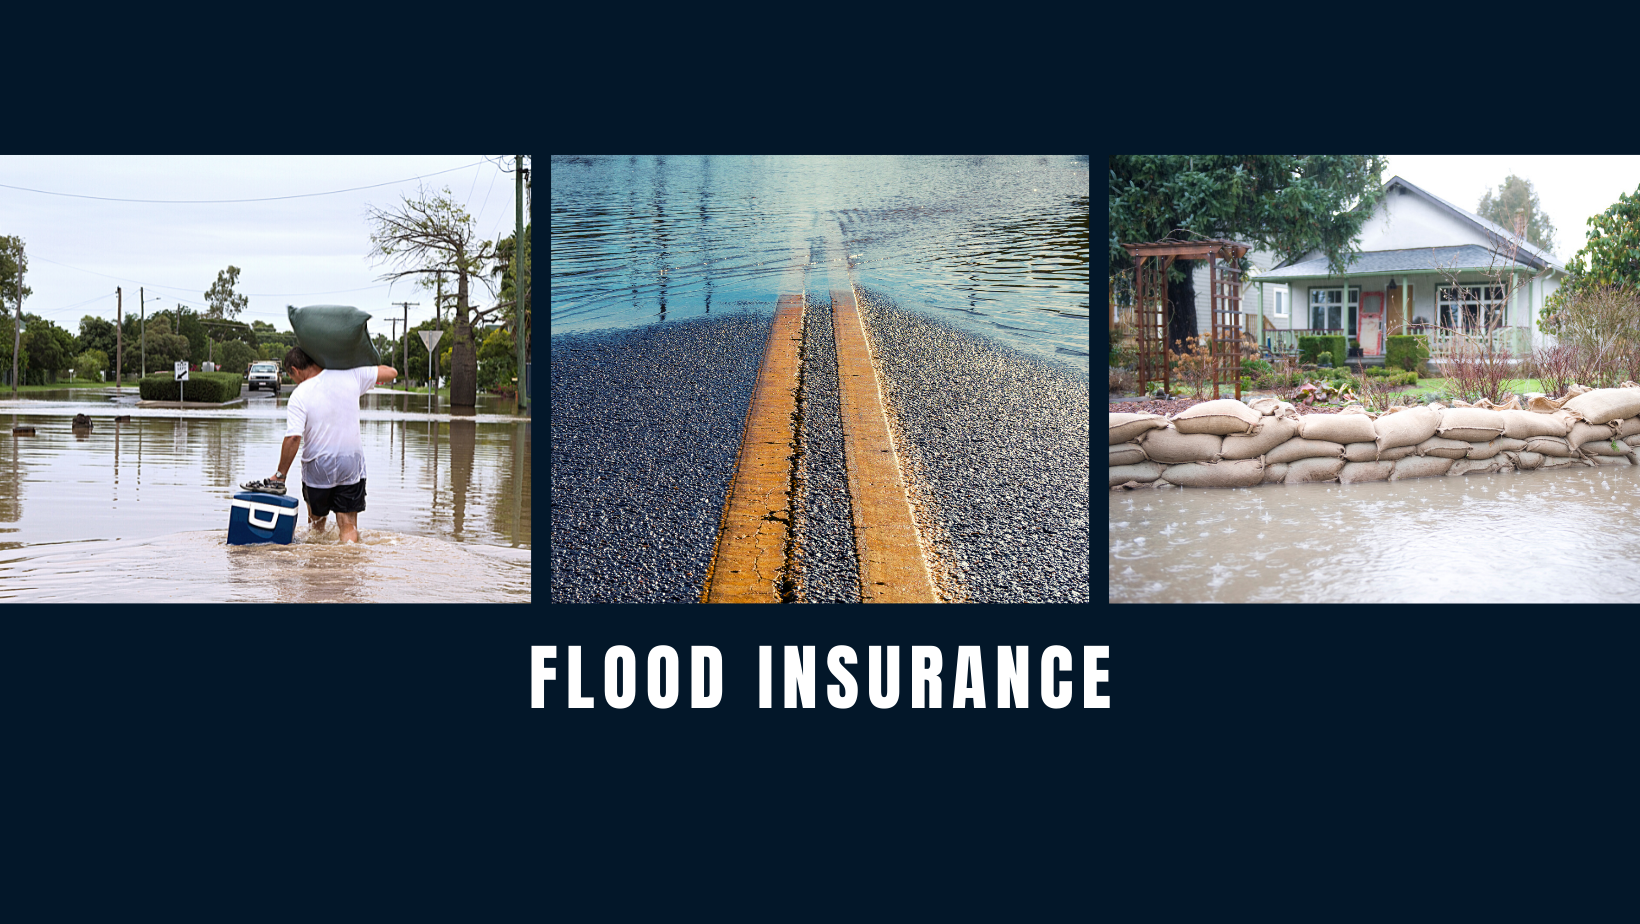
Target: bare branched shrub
point(1555, 367)
point(1123, 381)
point(1480, 367)
point(1602, 325)
point(1194, 364)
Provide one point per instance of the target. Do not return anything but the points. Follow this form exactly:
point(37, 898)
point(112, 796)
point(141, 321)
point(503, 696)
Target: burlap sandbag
point(1488, 450)
point(1628, 426)
point(1271, 432)
point(1126, 454)
point(1356, 472)
point(1605, 404)
point(1172, 446)
point(1612, 460)
point(1399, 452)
point(1632, 440)
point(1525, 424)
point(1585, 433)
point(1308, 470)
point(1473, 467)
point(1444, 448)
point(1553, 462)
point(1265, 406)
point(1295, 449)
point(1526, 461)
point(1405, 428)
point(1126, 427)
point(1361, 452)
point(1221, 417)
point(1549, 446)
point(1470, 424)
point(1142, 472)
point(1420, 467)
point(1337, 428)
point(1604, 448)
point(1275, 473)
point(1239, 474)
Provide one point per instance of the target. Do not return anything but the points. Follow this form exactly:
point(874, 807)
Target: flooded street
point(962, 284)
point(137, 510)
point(1564, 535)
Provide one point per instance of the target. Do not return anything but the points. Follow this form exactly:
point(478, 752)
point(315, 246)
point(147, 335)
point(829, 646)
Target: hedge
point(1309, 345)
point(1406, 351)
point(210, 387)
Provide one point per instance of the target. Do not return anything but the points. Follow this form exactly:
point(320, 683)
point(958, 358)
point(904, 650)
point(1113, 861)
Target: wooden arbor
point(1150, 264)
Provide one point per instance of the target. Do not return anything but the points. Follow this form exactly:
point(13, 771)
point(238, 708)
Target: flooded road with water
point(137, 510)
point(1571, 534)
point(995, 245)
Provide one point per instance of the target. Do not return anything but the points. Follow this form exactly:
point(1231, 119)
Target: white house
point(1412, 247)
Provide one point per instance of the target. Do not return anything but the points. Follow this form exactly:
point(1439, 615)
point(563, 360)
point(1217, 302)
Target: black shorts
point(346, 498)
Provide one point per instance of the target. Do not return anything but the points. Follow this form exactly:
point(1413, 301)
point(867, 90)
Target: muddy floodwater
point(1567, 535)
point(137, 510)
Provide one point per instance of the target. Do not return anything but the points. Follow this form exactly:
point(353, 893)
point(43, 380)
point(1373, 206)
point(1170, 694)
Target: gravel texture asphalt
point(998, 440)
point(829, 571)
point(646, 426)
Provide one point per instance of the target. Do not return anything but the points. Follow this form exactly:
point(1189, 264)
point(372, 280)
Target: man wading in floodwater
point(324, 421)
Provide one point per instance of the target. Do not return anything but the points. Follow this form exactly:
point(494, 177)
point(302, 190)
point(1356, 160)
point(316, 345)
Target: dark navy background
point(396, 760)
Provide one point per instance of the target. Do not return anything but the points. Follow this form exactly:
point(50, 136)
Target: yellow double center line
point(749, 560)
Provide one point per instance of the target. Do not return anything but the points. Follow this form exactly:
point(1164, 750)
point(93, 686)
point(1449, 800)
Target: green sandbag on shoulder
point(334, 335)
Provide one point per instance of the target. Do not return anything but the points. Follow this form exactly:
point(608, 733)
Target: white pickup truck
point(263, 375)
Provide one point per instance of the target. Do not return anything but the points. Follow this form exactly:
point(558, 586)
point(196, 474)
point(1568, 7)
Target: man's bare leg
point(348, 523)
point(318, 524)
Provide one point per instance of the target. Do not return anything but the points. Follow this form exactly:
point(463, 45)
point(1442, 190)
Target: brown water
point(1571, 534)
point(138, 510)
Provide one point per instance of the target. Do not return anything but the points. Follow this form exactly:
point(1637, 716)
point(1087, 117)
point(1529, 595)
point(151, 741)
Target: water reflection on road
point(138, 508)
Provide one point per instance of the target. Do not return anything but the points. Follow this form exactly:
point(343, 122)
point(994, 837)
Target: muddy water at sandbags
point(1567, 535)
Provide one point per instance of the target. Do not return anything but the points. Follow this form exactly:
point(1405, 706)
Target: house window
point(1281, 302)
point(1471, 308)
point(1329, 311)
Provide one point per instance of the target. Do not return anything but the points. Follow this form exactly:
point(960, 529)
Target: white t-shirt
point(324, 412)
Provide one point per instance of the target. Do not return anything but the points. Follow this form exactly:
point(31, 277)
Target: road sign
point(430, 337)
point(182, 371)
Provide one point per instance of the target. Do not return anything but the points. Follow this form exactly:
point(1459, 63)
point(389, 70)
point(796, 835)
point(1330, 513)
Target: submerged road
point(843, 450)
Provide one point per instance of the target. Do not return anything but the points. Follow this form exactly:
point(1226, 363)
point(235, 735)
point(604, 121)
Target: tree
point(1516, 199)
point(496, 360)
point(433, 236)
point(504, 271)
point(234, 355)
point(50, 348)
point(90, 362)
point(1611, 257)
point(1289, 204)
point(97, 334)
point(13, 270)
point(223, 302)
point(165, 349)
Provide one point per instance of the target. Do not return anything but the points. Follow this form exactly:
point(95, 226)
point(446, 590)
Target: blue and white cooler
point(257, 517)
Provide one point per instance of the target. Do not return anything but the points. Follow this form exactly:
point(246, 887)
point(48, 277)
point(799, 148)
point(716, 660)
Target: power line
point(47, 192)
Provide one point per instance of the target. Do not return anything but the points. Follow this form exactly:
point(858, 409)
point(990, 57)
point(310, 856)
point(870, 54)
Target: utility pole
point(518, 275)
point(143, 324)
point(405, 335)
point(119, 340)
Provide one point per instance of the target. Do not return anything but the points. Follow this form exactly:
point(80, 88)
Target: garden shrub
point(1310, 346)
point(211, 387)
point(1406, 351)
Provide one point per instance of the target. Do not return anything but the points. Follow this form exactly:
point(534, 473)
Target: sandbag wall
point(1226, 444)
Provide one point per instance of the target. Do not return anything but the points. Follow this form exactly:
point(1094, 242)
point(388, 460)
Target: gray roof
point(1384, 262)
point(1535, 256)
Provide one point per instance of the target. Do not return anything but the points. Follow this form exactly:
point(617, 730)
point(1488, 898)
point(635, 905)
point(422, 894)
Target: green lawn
point(1438, 386)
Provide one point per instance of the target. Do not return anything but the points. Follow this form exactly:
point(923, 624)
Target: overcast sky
point(1570, 188)
point(311, 250)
